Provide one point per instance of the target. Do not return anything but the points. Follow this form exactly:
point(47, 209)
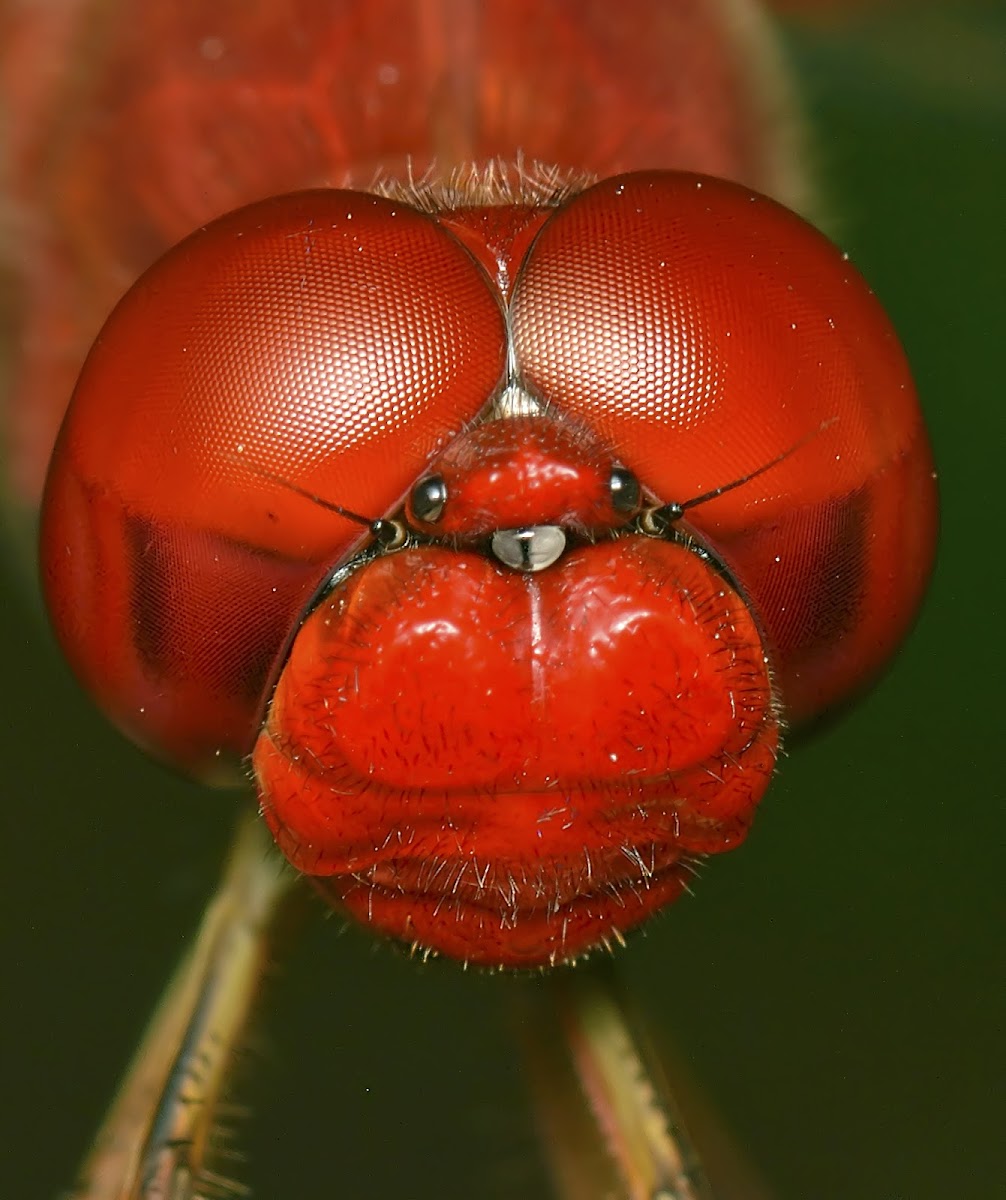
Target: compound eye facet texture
point(323, 343)
point(706, 332)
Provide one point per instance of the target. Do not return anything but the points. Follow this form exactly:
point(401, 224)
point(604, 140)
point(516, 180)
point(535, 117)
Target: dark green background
point(836, 986)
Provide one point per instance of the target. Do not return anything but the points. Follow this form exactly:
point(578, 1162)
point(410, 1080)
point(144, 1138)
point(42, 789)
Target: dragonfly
point(762, 166)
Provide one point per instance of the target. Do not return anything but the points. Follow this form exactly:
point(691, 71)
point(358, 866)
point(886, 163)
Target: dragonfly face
point(657, 468)
point(552, 373)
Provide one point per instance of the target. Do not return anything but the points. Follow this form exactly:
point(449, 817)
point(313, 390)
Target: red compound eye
point(326, 340)
point(704, 331)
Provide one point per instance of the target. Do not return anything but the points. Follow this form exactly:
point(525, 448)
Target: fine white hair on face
point(489, 183)
point(516, 401)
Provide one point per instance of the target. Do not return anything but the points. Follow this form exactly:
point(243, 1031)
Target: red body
point(508, 765)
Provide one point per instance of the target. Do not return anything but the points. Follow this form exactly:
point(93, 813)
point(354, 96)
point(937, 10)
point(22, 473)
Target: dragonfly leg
point(158, 1138)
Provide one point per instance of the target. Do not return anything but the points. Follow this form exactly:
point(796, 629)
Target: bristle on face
point(486, 184)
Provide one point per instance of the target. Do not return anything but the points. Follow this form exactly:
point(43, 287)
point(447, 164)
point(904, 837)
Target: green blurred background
point(836, 986)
